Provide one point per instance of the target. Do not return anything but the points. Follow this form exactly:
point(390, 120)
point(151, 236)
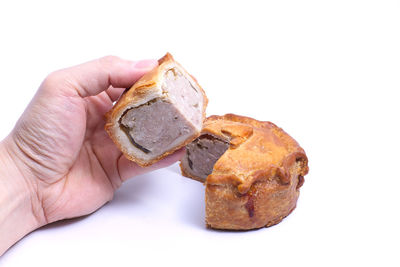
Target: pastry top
point(258, 151)
point(147, 88)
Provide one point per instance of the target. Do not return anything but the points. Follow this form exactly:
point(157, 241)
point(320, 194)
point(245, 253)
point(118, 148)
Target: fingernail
point(145, 64)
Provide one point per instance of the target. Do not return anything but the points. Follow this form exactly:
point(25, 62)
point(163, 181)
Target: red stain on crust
point(250, 205)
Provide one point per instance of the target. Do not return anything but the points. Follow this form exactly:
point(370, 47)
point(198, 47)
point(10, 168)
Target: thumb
point(95, 76)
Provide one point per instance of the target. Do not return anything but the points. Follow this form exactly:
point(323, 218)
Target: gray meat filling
point(163, 123)
point(154, 126)
point(203, 153)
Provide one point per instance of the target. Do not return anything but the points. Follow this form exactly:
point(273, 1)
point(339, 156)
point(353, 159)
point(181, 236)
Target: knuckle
point(108, 60)
point(53, 79)
point(57, 81)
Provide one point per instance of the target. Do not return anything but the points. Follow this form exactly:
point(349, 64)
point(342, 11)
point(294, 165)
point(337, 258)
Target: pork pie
point(160, 113)
point(252, 171)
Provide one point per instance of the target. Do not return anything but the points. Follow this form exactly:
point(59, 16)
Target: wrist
point(18, 200)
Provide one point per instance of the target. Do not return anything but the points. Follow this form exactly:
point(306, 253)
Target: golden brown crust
point(258, 150)
point(265, 204)
point(255, 183)
point(137, 94)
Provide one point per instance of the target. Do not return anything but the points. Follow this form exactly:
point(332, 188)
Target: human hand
point(58, 151)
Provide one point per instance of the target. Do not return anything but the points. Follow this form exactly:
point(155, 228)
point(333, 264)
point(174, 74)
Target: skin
point(58, 162)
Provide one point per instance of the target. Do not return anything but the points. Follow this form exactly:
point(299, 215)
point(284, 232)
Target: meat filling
point(203, 153)
point(154, 126)
point(166, 121)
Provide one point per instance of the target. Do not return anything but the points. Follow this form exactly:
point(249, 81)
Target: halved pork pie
point(160, 113)
point(252, 170)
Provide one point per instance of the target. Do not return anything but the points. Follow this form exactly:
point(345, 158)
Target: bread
point(160, 113)
point(252, 171)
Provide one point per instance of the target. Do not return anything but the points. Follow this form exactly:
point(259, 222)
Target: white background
point(327, 72)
